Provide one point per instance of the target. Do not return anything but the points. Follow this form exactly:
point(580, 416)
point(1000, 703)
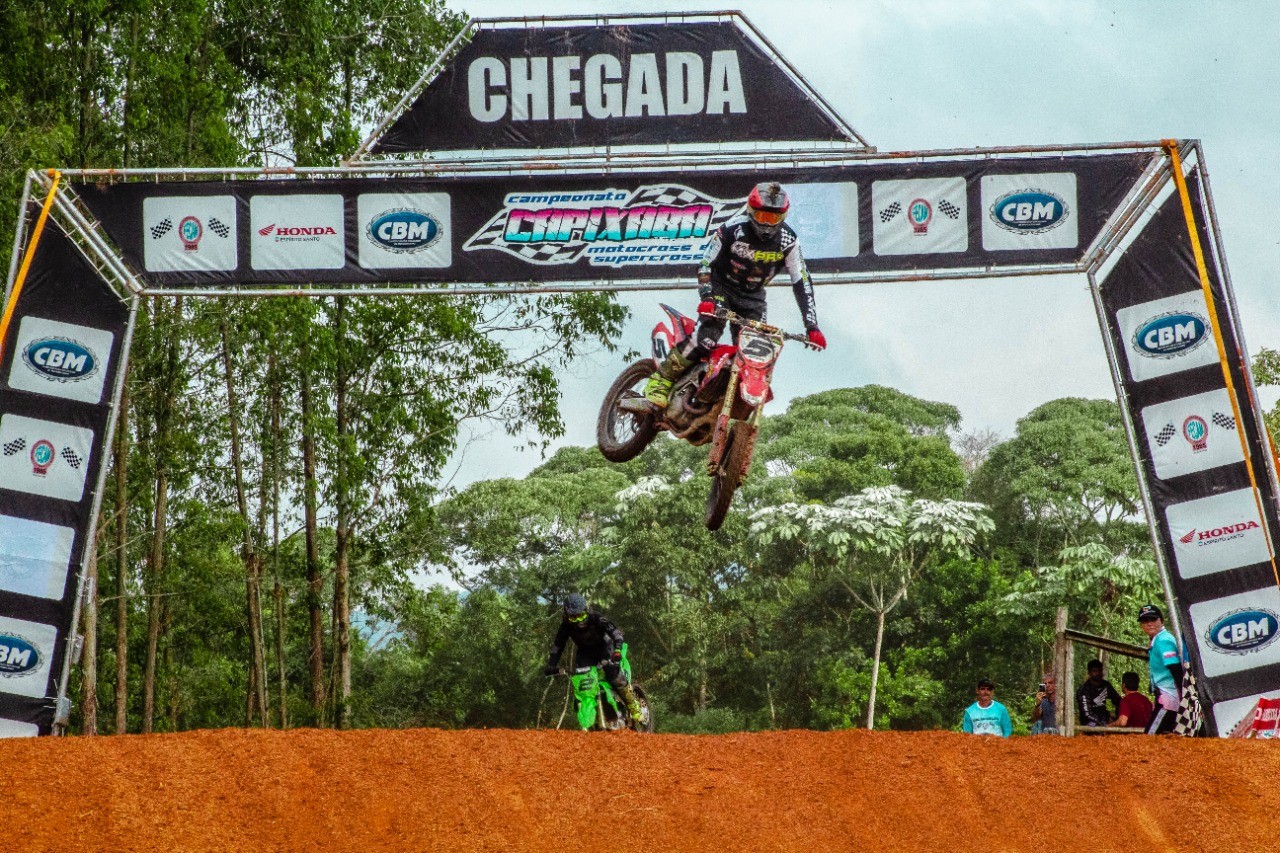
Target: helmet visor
point(768, 217)
point(577, 619)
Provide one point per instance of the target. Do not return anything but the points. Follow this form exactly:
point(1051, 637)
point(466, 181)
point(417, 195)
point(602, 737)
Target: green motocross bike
point(599, 706)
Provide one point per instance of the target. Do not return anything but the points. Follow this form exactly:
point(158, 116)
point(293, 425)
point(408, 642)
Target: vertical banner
point(58, 366)
point(1205, 458)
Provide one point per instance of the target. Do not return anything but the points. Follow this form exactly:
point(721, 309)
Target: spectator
point(1044, 716)
point(1135, 709)
point(1166, 670)
point(987, 716)
point(1093, 695)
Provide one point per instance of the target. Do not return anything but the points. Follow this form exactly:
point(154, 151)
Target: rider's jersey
point(596, 638)
point(740, 261)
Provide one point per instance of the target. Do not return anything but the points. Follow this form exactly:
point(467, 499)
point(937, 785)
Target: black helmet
point(575, 607)
point(767, 206)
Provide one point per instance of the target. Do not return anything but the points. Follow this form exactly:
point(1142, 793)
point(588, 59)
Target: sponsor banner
point(16, 728)
point(542, 229)
point(34, 557)
point(590, 86)
point(190, 233)
point(297, 232)
point(44, 458)
point(654, 225)
point(1167, 336)
point(405, 230)
point(1238, 632)
point(1192, 434)
point(26, 654)
point(1029, 212)
point(918, 217)
point(61, 360)
point(827, 215)
point(1217, 533)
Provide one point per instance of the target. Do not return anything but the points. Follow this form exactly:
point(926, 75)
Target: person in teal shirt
point(1165, 665)
point(987, 716)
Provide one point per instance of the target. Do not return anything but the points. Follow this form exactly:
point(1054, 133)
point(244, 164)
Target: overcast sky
point(910, 75)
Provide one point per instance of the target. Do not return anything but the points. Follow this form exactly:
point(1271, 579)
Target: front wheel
point(727, 478)
point(622, 434)
point(646, 722)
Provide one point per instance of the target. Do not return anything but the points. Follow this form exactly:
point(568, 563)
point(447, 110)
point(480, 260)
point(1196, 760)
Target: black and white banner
point(58, 370)
point(1216, 526)
point(586, 86)
point(863, 217)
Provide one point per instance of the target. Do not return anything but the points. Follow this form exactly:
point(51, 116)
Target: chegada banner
point(638, 80)
point(65, 335)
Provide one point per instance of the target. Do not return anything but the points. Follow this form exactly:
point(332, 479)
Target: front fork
point(720, 435)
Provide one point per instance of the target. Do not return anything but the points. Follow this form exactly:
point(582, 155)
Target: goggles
point(768, 217)
point(579, 619)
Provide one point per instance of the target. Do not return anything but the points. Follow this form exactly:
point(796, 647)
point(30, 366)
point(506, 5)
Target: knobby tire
point(612, 422)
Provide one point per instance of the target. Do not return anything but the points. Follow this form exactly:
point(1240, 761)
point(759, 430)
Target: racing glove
point(818, 339)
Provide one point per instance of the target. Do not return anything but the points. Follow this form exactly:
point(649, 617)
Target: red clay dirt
point(492, 790)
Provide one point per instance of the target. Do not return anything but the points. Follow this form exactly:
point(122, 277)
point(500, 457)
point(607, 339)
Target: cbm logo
point(1243, 631)
point(18, 656)
point(1029, 211)
point(1170, 335)
point(60, 359)
point(405, 230)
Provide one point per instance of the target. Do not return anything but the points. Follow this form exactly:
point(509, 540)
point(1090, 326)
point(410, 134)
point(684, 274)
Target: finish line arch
point(1136, 219)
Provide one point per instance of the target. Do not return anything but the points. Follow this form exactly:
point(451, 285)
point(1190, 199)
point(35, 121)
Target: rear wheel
point(733, 463)
point(622, 434)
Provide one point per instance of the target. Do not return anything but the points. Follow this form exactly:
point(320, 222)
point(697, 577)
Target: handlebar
point(763, 328)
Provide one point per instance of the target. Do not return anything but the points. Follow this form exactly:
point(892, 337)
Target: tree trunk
point(875, 670)
point(342, 569)
point(277, 439)
point(122, 565)
point(252, 564)
point(155, 571)
point(315, 580)
point(89, 671)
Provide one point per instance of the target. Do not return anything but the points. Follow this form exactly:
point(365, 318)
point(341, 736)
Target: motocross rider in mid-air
point(599, 641)
point(744, 254)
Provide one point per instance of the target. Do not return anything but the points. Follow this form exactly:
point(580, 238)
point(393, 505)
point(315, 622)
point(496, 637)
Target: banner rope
point(26, 259)
point(1171, 147)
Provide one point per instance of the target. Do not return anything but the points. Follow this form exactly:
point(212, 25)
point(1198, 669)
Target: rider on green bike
point(599, 642)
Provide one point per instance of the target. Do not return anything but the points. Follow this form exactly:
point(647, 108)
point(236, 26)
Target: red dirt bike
point(719, 400)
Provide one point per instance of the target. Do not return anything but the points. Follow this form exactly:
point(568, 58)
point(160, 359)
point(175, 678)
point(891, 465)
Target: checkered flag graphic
point(73, 459)
point(219, 227)
point(890, 212)
point(1166, 434)
point(161, 228)
point(16, 446)
point(1190, 715)
point(949, 210)
point(1224, 421)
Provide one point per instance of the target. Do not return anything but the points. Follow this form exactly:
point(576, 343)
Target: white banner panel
point(399, 230)
point(296, 232)
point(26, 649)
point(1238, 632)
point(1217, 533)
point(34, 557)
point(14, 728)
point(190, 233)
point(61, 360)
point(44, 458)
point(1192, 434)
point(1030, 212)
point(1227, 715)
point(919, 217)
point(826, 218)
point(1167, 335)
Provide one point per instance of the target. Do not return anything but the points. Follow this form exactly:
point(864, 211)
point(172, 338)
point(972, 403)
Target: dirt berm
point(309, 790)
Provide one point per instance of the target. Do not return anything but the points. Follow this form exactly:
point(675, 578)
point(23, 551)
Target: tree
point(875, 544)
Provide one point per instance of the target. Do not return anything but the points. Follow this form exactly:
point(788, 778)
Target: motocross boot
point(658, 389)
point(633, 704)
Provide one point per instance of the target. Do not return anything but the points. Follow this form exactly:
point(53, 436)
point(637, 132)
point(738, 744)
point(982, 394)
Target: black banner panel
point(58, 371)
point(583, 86)
point(1197, 438)
point(861, 217)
